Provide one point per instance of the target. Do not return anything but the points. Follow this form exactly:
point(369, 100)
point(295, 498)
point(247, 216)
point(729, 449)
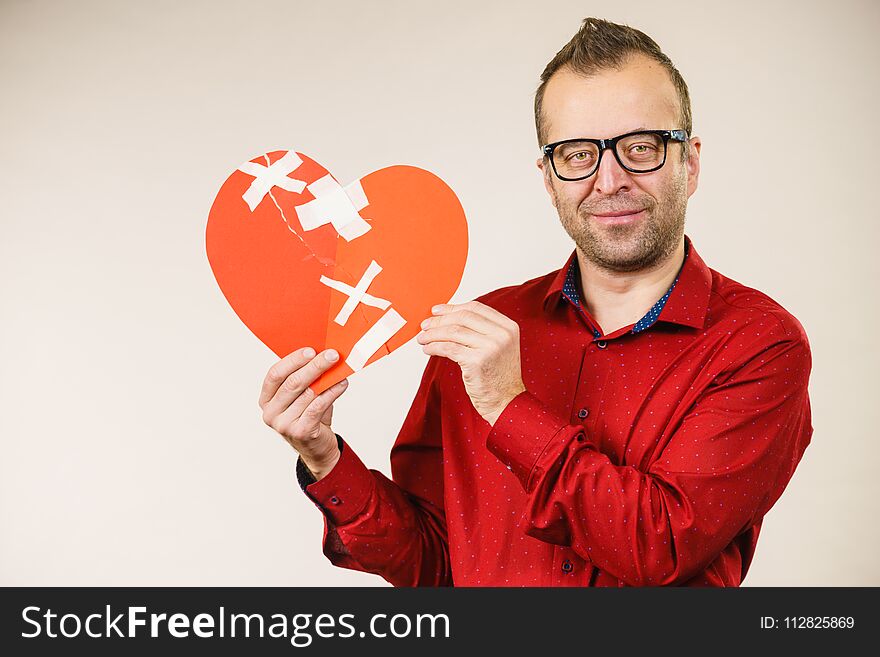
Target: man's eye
point(580, 156)
point(641, 149)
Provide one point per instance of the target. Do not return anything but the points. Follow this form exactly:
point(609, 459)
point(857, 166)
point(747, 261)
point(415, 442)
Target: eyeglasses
point(638, 152)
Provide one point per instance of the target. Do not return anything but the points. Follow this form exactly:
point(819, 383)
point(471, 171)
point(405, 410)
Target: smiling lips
point(619, 217)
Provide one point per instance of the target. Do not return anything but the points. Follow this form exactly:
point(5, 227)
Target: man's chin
point(623, 254)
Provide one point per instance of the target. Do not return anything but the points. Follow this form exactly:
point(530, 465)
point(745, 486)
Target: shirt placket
point(569, 568)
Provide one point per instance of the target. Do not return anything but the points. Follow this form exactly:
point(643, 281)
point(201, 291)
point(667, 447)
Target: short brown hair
point(600, 44)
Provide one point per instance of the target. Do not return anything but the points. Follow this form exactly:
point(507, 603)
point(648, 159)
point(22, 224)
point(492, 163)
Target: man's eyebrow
point(638, 129)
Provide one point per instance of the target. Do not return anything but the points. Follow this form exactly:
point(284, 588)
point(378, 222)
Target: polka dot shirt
point(649, 457)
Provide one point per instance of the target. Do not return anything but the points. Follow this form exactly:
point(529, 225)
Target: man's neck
point(618, 299)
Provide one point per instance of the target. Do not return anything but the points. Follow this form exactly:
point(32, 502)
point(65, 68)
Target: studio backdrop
point(132, 450)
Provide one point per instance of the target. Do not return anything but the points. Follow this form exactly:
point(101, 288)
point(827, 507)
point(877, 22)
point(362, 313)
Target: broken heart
point(305, 261)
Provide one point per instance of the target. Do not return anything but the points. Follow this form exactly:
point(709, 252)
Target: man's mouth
point(619, 216)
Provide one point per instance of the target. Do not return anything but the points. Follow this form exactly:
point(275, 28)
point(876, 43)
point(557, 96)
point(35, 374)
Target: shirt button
point(566, 566)
point(335, 500)
point(583, 413)
point(601, 344)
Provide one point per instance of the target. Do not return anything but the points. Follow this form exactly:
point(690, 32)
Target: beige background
point(133, 452)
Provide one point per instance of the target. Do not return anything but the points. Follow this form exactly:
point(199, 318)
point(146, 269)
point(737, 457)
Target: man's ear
point(544, 166)
point(693, 164)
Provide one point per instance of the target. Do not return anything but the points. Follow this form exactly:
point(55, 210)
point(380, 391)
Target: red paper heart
point(270, 267)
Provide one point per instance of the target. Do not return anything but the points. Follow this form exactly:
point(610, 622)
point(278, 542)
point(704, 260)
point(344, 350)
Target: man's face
point(613, 102)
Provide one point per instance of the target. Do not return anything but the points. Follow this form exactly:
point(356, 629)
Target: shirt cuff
point(344, 492)
point(522, 433)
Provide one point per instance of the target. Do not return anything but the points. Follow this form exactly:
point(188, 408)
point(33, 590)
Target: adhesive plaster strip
point(378, 334)
point(357, 294)
point(335, 205)
point(274, 175)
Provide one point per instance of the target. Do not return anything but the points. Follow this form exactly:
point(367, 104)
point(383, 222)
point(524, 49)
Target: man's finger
point(450, 350)
point(279, 372)
point(473, 320)
point(297, 382)
point(457, 333)
point(327, 418)
point(476, 307)
point(490, 313)
point(286, 416)
point(320, 404)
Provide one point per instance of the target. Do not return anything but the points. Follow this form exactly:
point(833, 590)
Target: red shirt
point(645, 457)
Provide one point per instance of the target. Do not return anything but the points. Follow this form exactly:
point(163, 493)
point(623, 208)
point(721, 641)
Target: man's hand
point(301, 417)
point(485, 344)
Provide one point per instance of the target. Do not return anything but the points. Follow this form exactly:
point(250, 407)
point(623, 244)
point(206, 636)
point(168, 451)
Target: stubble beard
point(628, 248)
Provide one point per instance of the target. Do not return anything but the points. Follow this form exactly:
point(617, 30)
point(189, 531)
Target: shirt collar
point(688, 298)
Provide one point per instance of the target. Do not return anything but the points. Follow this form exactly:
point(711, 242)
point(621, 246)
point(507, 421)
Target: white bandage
point(335, 205)
point(378, 334)
point(274, 175)
point(357, 294)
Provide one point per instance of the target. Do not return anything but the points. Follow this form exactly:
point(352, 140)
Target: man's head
point(607, 81)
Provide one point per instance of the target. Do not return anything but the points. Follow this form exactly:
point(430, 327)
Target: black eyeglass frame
point(603, 144)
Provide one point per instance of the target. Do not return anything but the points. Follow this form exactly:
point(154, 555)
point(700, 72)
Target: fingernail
point(331, 355)
point(343, 383)
point(308, 352)
point(424, 323)
point(435, 309)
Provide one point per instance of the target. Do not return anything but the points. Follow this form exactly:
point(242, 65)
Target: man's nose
point(611, 178)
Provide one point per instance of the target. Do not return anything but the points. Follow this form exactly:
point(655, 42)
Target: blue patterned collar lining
point(570, 292)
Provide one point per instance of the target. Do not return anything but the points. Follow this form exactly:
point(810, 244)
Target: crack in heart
point(325, 262)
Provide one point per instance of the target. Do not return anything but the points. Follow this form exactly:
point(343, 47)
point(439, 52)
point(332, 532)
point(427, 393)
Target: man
point(626, 420)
